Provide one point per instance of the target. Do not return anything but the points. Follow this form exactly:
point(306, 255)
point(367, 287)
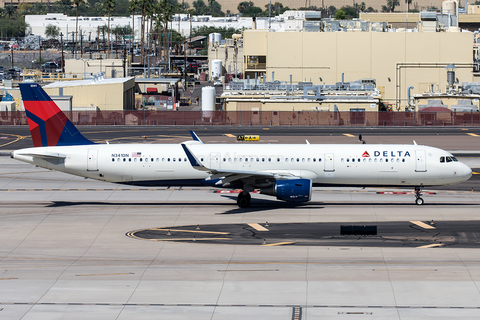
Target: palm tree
point(144, 5)
point(408, 4)
point(77, 3)
point(133, 7)
point(10, 10)
point(108, 5)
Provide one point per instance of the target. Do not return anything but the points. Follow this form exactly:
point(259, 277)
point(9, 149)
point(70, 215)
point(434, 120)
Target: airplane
point(286, 171)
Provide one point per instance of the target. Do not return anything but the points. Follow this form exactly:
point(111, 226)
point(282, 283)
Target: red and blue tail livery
point(49, 126)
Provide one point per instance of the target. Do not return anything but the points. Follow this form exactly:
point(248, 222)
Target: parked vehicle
point(51, 66)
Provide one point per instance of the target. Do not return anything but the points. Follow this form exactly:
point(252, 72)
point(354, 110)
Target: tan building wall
point(118, 95)
point(93, 66)
point(231, 63)
point(392, 58)
point(298, 105)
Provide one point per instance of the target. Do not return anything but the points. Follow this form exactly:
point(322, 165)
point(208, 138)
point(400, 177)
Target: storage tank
point(216, 38)
point(211, 38)
point(216, 69)
point(208, 99)
point(449, 7)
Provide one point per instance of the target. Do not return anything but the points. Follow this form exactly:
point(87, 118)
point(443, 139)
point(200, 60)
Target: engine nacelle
point(298, 190)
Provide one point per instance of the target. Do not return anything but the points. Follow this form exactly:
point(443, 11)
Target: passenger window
point(286, 159)
point(151, 159)
point(179, 159)
point(303, 159)
point(263, 159)
point(315, 160)
point(135, 160)
point(258, 160)
point(113, 159)
point(308, 159)
point(201, 160)
point(146, 159)
point(342, 160)
point(158, 159)
point(224, 159)
point(124, 159)
point(403, 160)
point(381, 159)
point(269, 159)
point(240, 159)
point(129, 159)
point(118, 159)
point(173, 159)
point(278, 159)
point(298, 159)
point(320, 160)
point(168, 159)
point(163, 159)
point(348, 159)
point(141, 159)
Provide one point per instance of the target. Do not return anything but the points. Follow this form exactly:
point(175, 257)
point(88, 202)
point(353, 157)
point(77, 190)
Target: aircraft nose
point(466, 172)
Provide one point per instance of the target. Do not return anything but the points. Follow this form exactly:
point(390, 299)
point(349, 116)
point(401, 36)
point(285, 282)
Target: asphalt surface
point(450, 138)
point(458, 234)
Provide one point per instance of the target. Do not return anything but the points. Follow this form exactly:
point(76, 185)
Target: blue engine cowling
point(298, 190)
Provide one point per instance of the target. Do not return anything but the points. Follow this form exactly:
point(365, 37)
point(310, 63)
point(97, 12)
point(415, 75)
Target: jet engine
point(297, 190)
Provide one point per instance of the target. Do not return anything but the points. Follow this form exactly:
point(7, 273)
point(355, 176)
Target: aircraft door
point(92, 160)
point(215, 160)
point(328, 164)
point(420, 161)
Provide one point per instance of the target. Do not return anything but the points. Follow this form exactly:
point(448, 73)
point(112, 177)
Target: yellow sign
point(248, 138)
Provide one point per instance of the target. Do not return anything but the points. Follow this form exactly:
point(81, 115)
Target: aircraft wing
point(228, 177)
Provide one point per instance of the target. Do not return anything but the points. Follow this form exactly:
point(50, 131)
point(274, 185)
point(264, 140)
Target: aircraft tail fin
point(49, 126)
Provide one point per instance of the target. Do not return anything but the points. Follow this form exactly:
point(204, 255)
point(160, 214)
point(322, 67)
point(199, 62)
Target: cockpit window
point(442, 159)
point(454, 159)
point(449, 159)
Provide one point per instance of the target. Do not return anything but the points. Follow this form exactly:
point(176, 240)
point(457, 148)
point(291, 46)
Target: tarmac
point(66, 254)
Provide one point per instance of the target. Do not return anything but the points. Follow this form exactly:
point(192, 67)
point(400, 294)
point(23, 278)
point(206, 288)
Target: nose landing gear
point(418, 196)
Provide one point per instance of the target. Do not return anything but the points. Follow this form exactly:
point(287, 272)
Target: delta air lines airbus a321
point(287, 172)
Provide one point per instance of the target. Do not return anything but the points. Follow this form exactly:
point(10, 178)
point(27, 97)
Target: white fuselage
point(325, 164)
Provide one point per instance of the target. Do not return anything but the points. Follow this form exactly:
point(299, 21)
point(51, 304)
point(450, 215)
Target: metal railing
point(260, 118)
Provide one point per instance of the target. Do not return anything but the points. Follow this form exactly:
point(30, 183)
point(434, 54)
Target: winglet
point(195, 137)
point(196, 164)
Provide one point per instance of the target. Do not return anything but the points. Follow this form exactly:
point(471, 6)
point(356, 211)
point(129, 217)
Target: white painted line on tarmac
point(422, 224)
point(257, 227)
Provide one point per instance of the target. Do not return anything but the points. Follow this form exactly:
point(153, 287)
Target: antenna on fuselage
point(307, 141)
point(360, 139)
point(414, 143)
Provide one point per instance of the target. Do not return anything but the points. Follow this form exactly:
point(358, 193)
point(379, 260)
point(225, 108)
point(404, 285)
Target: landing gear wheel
point(419, 201)
point(243, 200)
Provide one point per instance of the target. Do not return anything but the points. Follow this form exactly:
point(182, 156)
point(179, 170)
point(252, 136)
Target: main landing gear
point(418, 196)
point(243, 199)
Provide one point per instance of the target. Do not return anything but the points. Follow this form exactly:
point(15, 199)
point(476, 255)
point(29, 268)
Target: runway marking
point(422, 224)
point(266, 128)
point(229, 135)
point(248, 270)
point(277, 244)
point(257, 227)
point(194, 231)
point(473, 134)
point(102, 274)
point(406, 270)
point(431, 246)
point(475, 172)
point(349, 135)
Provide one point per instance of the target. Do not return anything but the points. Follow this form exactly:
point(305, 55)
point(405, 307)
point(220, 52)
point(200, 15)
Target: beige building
point(397, 60)
point(232, 60)
point(101, 94)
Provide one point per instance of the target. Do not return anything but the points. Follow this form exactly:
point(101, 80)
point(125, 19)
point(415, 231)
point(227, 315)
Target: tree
point(332, 10)
point(350, 12)
point(133, 6)
point(9, 11)
point(340, 14)
point(108, 5)
point(62, 6)
point(76, 3)
point(363, 6)
point(52, 31)
point(39, 8)
point(391, 4)
point(242, 6)
point(408, 4)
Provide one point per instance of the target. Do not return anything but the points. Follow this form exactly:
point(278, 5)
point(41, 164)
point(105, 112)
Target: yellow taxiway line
point(473, 134)
point(277, 244)
point(257, 227)
point(422, 224)
point(430, 246)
